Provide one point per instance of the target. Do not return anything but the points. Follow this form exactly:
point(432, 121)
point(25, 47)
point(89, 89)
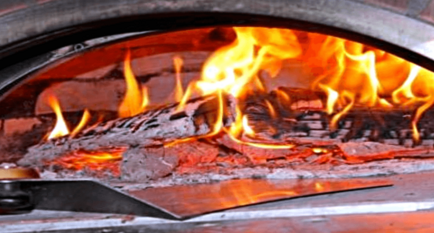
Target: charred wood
point(298, 113)
point(152, 128)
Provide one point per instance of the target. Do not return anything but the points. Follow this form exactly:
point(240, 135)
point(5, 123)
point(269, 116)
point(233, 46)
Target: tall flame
point(84, 119)
point(60, 129)
point(234, 69)
point(349, 73)
point(359, 75)
point(234, 66)
point(353, 74)
point(136, 97)
point(179, 92)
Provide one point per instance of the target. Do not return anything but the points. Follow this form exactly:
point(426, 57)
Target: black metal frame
point(25, 57)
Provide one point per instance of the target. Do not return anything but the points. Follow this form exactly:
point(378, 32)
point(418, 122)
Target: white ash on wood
point(298, 113)
point(369, 151)
point(152, 163)
point(151, 128)
point(151, 153)
point(306, 171)
point(144, 164)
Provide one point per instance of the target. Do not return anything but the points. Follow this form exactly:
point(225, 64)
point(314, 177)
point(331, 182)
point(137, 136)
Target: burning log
point(152, 128)
point(299, 113)
point(282, 120)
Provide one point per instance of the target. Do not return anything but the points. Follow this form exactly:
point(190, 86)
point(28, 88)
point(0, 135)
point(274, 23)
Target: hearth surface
point(406, 206)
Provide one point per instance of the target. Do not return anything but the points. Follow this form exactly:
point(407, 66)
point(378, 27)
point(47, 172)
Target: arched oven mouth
point(239, 100)
point(311, 99)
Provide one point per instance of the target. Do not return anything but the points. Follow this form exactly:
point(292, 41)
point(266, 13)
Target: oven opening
point(220, 103)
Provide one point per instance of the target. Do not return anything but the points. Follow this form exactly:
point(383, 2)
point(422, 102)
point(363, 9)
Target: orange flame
point(332, 98)
point(353, 74)
point(60, 129)
point(179, 92)
point(136, 97)
point(234, 69)
point(234, 66)
point(404, 92)
point(359, 75)
point(84, 119)
point(349, 73)
point(247, 129)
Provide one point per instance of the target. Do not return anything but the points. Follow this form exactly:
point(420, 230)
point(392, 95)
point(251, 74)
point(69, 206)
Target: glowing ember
point(317, 150)
point(319, 187)
point(97, 161)
point(136, 97)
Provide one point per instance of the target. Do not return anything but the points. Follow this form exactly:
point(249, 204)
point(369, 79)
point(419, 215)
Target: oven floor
point(407, 206)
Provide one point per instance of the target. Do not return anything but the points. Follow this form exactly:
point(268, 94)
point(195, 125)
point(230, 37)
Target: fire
point(136, 97)
point(368, 77)
point(134, 102)
point(247, 129)
point(351, 75)
point(233, 67)
point(61, 129)
point(354, 75)
point(234, 70)
point(179, 92)
point(82, 123)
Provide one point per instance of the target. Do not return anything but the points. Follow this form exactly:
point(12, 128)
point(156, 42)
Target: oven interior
point(158, 113)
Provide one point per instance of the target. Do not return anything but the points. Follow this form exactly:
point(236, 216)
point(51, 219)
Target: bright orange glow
point(60, 129)
point(232, 67)
point(319, 187)
point(96, 161)
point(136, 97)
point(318, 150)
